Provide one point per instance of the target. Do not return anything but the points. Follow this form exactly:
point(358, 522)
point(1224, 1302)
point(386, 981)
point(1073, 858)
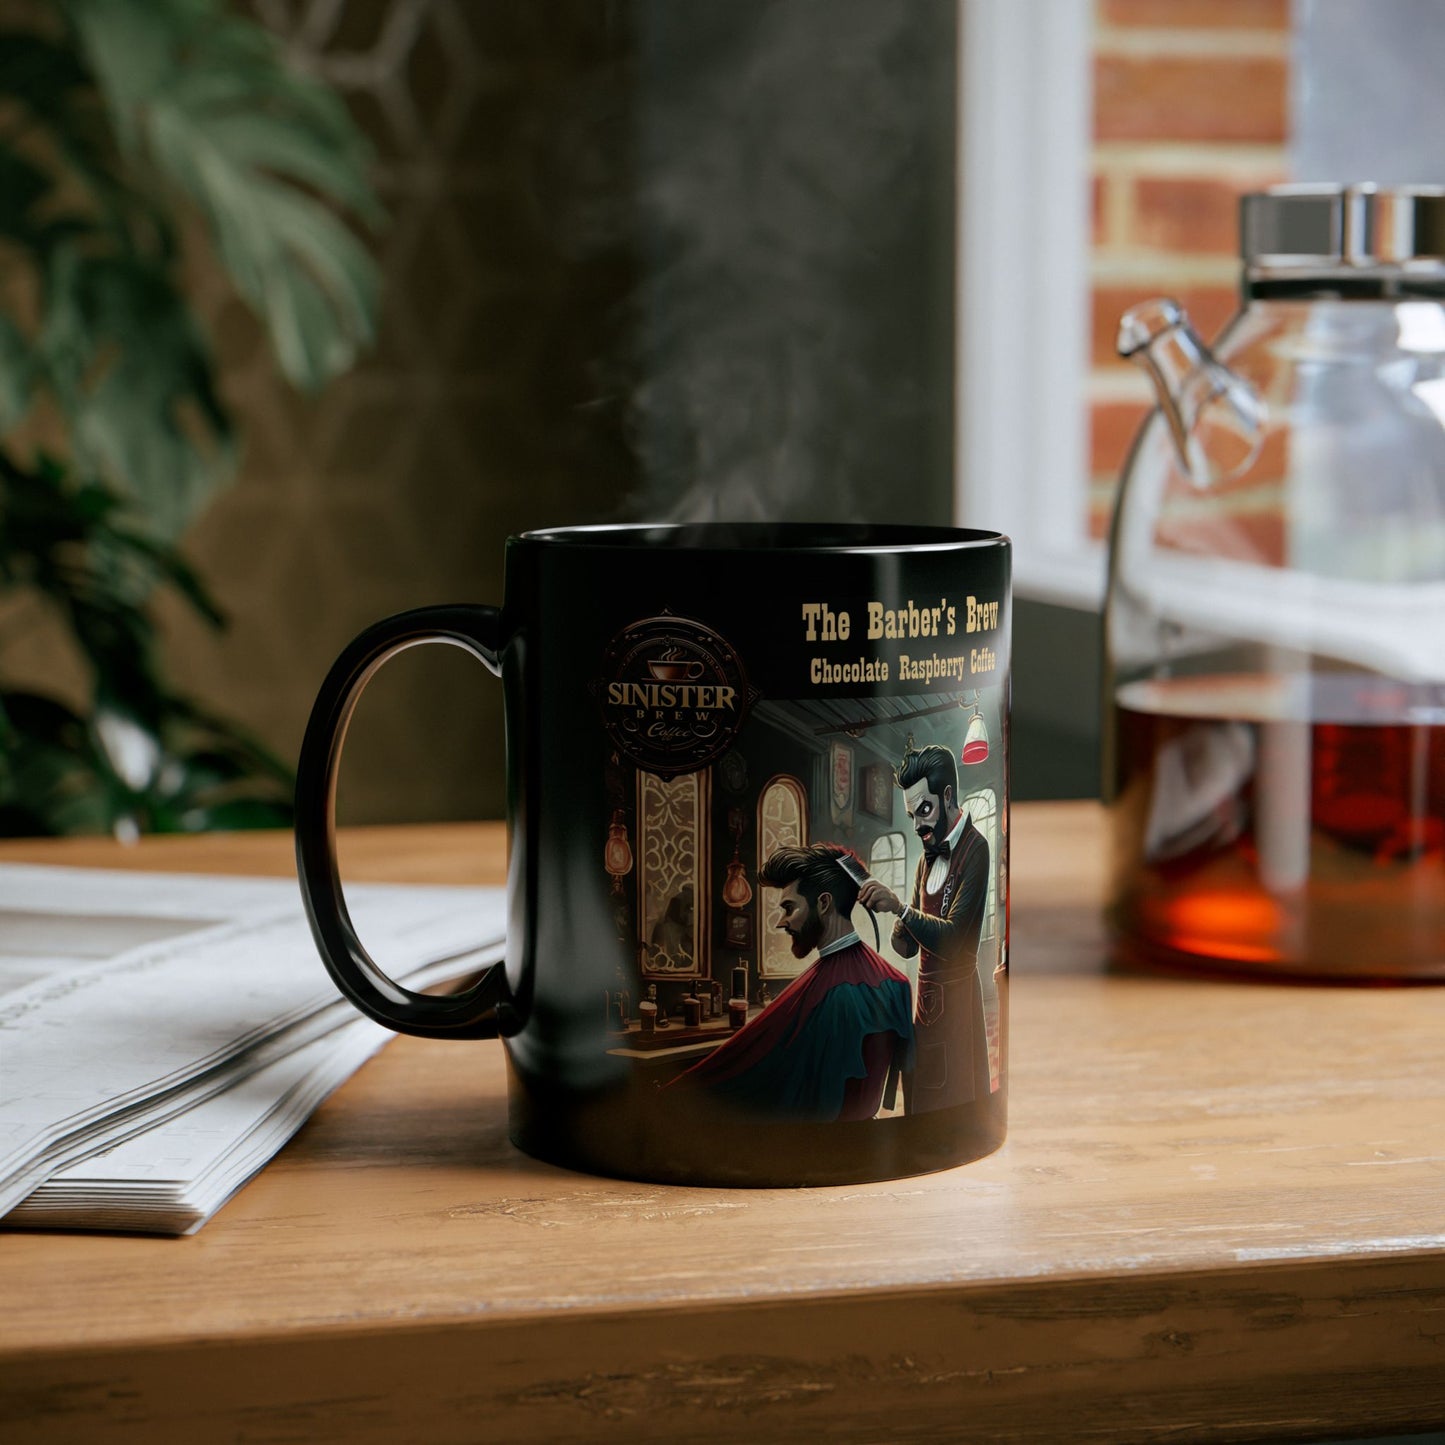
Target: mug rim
point(768, 538)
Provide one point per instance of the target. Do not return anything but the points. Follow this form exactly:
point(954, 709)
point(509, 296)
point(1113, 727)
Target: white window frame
point(899, 885)
point(1025, 122)
point(986, 823)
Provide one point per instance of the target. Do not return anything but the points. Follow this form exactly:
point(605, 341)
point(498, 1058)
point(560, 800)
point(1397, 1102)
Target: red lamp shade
point(975, 740)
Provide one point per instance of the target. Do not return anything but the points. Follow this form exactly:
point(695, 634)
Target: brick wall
point(1190, 111)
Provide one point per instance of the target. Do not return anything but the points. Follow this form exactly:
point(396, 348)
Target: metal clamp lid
point(1327, 227)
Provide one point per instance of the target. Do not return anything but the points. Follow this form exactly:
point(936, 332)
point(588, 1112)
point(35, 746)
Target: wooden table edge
point(1175, 1347)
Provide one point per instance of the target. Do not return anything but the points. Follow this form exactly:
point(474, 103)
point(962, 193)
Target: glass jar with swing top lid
point(1275, 622)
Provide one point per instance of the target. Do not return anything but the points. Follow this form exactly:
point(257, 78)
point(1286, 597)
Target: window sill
point(1073, 578)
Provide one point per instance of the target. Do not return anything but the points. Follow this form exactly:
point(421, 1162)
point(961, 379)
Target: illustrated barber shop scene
point(818, 916)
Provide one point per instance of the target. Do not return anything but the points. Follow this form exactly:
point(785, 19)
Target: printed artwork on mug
point(818, 910)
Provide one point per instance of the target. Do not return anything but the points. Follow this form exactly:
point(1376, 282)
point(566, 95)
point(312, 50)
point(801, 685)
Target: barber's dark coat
point(950, 1060)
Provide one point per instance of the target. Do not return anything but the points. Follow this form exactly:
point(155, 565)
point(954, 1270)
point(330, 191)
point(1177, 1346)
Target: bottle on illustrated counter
point(740, 979)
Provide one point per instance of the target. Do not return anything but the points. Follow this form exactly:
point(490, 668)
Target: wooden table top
point(1220, 1214)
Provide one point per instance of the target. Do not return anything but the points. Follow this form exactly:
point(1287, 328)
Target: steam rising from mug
point(791, 331)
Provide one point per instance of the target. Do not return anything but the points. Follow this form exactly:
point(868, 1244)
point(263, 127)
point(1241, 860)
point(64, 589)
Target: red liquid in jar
point(1285, 826)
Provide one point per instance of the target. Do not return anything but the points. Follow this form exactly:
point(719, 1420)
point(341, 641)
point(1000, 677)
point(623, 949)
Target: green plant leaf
point(22, 186)
point(170, 566)
point(17, 371)
point(110, 118)
point(50, 783)
point(60, 774)
point(73, 545)
point(38, 72)
point(264, 151)
point(55, 96)
point(133, 376)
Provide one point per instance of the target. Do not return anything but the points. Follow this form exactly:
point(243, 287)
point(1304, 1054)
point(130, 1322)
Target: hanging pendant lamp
point(737, 892)
point(975, 740)
point(617, 853)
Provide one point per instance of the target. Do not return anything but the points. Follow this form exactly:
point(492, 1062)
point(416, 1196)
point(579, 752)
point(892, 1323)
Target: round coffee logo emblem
point(673, 694)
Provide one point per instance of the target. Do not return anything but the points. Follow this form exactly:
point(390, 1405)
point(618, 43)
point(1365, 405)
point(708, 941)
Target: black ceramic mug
point(758, 877)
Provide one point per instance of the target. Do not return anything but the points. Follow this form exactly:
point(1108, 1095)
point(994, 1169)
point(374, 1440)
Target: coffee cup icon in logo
point(673, 694)
point(672, 666)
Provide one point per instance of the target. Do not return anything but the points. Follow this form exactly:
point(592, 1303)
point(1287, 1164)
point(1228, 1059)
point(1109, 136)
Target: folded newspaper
point(161, 1036)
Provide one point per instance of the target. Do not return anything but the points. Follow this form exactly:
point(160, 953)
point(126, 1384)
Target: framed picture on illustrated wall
point(739, 932)
point(876, 793)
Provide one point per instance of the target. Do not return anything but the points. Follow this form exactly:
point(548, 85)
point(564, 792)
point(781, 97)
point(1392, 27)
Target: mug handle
point(480, 1012)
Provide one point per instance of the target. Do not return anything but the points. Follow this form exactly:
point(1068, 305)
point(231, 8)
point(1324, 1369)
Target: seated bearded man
point(825, 1048)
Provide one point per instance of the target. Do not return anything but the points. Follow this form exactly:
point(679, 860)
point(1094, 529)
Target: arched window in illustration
point(782, 823)
point(888, 862)
point(982, 807)
point(672, 895)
